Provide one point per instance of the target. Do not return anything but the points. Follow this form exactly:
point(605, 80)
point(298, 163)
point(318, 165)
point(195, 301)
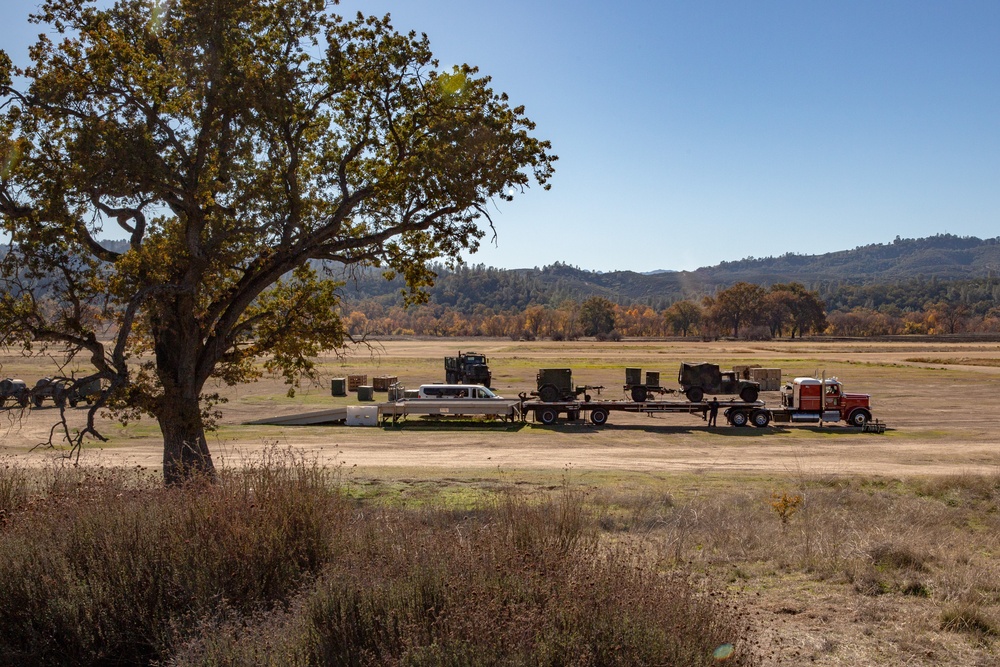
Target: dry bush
point(968, 618)
point(521, 582)
point(100, 569)
point(274, 564)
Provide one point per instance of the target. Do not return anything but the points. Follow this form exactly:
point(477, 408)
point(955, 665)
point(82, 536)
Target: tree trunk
point(178, 343)
point(185, 449)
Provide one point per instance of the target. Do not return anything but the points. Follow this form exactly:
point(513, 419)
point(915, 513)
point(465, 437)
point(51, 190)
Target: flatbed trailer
point(548, 412)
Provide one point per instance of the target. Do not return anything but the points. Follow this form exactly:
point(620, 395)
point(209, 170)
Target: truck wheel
point(547, 416)
point(859, 418)
point(38, 401)
point(599, 417)
point(695, 394)
point(739, 419)
point(639, 394)
point(760, 418)
point(548, 393)
point(748, 394)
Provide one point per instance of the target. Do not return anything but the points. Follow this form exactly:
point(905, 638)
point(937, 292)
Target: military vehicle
point(14, 392)
point(556, 384)
point(699, 379)
point(62, 391)
point(467, 368)
point(54, 389)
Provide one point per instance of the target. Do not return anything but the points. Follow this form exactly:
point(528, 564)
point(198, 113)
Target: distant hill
point(926, 269)
point(944, 257)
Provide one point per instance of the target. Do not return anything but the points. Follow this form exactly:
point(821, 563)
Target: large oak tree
point(235, 144)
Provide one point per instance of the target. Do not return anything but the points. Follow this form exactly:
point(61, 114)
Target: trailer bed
point(598, 411)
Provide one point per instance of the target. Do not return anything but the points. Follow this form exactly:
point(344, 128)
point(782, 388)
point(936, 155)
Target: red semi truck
point(806, 399)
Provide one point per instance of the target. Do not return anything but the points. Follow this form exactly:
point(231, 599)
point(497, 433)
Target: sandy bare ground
point(942, 417)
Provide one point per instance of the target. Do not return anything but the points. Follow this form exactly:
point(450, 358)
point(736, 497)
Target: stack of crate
point(355, 381)
point(383, 382)
point(743, 372)
point(769, 378)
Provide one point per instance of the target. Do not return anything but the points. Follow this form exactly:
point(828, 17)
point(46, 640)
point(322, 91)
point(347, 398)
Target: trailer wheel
point(599, 417)
point(748, 394)
point(760, 418)
point(695, 394)
point(639, 394)
point(859, 418)
point(38, 401)
point(739, 419)
point(548, 393)
point(547, 416)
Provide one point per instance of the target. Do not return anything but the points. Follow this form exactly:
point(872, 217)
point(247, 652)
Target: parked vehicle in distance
point(808, 400)
point(54, 389)
point(64, 390)
point(699, 379)
point(456, 391)
point(467, 368)
point(14, 392)
point(556, 384)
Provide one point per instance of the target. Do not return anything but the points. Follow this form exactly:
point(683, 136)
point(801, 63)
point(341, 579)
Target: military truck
point(697, 380)
point(14, 392)
point(467, 368)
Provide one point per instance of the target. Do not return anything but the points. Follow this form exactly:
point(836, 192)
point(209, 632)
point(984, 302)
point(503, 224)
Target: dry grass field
point(848, 548)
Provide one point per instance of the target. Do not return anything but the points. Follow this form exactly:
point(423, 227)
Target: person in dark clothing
point(713, 411)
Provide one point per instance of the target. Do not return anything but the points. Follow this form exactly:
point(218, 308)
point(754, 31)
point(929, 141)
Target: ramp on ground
point(417, 407)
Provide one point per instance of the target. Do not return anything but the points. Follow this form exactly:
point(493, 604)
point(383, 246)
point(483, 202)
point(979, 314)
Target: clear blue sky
point(699, 131)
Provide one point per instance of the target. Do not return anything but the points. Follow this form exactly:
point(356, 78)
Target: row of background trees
point(744, 310)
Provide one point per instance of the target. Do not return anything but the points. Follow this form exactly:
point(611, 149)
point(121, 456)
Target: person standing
point(713, 411)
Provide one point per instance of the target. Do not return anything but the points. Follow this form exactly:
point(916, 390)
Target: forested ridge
point(905, 274)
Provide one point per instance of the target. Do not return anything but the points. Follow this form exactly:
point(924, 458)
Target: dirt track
point(942, 417)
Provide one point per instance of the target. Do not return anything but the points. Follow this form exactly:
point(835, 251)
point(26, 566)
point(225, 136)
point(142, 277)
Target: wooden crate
point(769, 378)
point(743, 372)
point(355, 381)
point(383, 382)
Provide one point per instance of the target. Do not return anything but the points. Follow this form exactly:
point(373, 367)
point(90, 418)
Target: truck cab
point(810, 399)
point(468, 368)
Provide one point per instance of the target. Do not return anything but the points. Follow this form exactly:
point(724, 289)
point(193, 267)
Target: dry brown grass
point(274, 564)
point(865, 572)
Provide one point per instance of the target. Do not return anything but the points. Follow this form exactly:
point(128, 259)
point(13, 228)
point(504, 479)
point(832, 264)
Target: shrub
point(521, 583)
point(108, 571)
point(966, 617)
